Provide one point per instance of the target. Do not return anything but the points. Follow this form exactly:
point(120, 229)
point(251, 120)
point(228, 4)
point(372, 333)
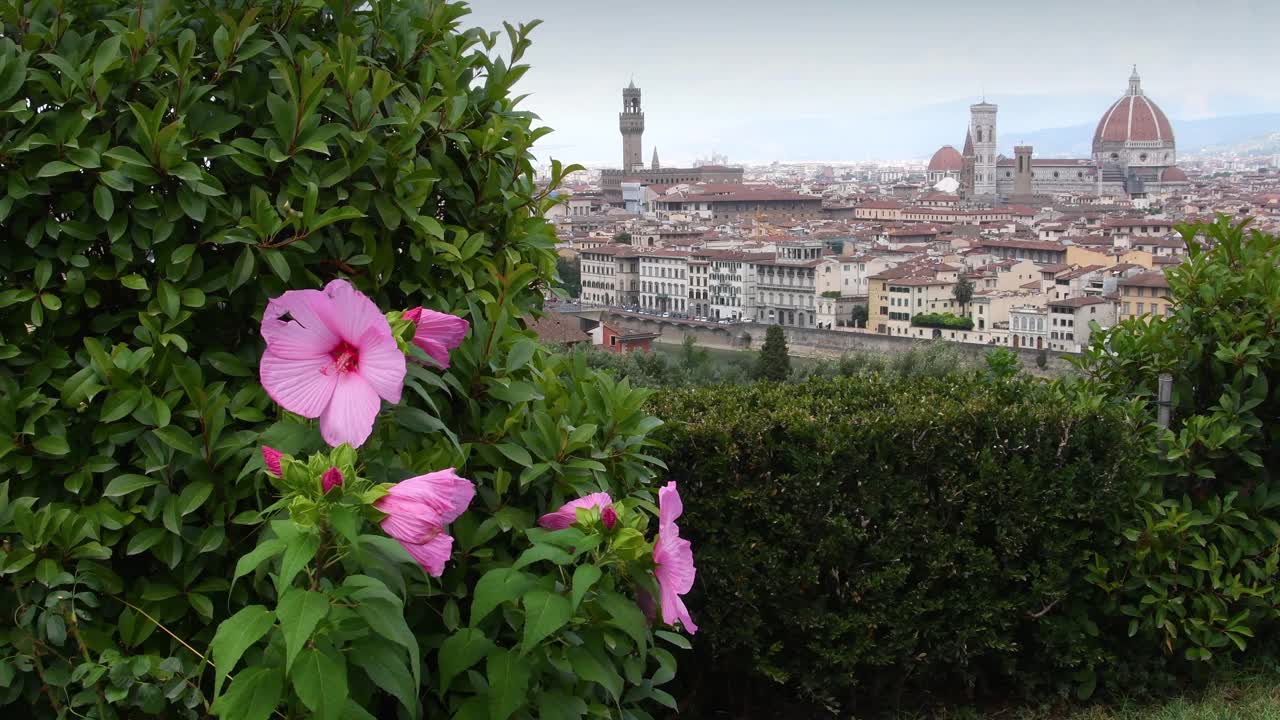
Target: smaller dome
point(1173, 174)
point(947, 159)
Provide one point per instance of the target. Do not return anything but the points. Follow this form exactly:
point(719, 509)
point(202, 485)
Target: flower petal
point(567, 515)
point(437, 333)
point(407, 521)
point(381, 363)
point(433, 554)
point(295, 325)
point(353, 312)
point(351, 411)
point(443, 491)
point(673, 560)
point(332, 479)
point(669, 505)
point(302, 386)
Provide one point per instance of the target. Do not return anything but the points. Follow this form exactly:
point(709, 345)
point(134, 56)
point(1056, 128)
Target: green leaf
point(243, 270)
point(278, 263)
point(170, 300)
point(228, 364)
point(103, 202)
point(178, 439)
point(628, 617)
point(386, 618)
point(496, 587)
point(250, 561)
point(516, 454)
point(588, 667)
point(385, 665)
point(676, 639)
point(508, 676)
point(56, 168)
point(125, 484)
point(133, 281)
point(555, 705)
point(544, 613)
point(193, 496)
point(52, 445)
point(299, 612)
point(584, 576)
point(106, 56)
point(300, 551)
point(119, 405)
point(320, 679)
point(234, 636)
point(459, 652)
point(538, 553)
point(253, 695)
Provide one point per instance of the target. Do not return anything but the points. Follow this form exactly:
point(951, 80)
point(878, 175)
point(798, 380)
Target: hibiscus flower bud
point(271, 457)
point(332, 479)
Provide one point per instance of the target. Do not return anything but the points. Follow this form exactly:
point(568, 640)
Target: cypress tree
point(773, 363)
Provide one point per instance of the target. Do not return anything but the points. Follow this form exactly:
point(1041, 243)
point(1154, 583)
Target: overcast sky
point(765, 80)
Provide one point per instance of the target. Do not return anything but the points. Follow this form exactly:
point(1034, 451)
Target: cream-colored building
point(1145, 294)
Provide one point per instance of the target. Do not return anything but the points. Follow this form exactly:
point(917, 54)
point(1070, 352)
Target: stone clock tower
point(631, 123)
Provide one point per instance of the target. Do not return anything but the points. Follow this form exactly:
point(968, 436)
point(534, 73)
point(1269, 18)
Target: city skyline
point(756, 85)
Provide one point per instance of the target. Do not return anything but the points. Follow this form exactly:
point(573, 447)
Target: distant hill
point(1245, 134)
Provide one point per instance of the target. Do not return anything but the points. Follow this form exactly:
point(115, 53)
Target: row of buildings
point(974, 247)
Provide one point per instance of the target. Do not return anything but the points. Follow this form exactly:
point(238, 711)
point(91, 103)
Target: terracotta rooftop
point(1146, 279)
point(557, 328)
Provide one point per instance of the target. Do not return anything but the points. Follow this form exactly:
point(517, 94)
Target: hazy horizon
point(829, 80)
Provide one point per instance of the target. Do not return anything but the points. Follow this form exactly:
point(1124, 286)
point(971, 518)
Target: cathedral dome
point(947, 159)
point(1173, 174)
point(1134, 118)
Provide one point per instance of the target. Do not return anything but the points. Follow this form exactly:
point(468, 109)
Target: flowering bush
point(225, 490)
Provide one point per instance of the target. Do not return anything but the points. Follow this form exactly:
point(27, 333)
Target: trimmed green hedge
point(862, 541)
point(945, 321)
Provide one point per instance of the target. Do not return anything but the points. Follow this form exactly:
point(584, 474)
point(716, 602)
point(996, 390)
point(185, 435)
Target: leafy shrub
point(169, 167)
point(945, 321)
point(865, 541)
point(1194, 565)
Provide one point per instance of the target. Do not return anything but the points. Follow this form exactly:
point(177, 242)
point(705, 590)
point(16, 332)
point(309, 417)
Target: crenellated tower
point(631, 124)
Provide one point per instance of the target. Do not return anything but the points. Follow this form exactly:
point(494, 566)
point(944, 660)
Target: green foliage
point(963, 291)
point(169, 167)
point(832, 294)
point(868, 541)
point(945, 321)
point(859, 315)
point(1002, 363)
point(1042, 358)
point(1197, 551)
point(570, 272)
point(622, 238)
point(773, 363)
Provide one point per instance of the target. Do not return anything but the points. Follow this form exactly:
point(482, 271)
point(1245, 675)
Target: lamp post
point(1164, 399)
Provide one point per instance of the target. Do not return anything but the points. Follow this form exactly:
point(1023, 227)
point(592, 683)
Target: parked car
point(666, 314)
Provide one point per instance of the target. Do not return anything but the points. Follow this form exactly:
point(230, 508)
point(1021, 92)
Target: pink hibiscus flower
point(437, 333)
point(567, 514)
point(331, 355)
point(673, 560)
point(418, 509)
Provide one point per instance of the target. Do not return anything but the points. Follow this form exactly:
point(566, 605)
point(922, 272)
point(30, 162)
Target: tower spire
point(655, 165)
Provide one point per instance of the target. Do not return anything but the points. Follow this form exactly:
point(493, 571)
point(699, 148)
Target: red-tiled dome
point(947, 159)
point(1173, 174)
point(1133, 118)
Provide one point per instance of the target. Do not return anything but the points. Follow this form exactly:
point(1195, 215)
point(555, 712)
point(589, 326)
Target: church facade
point(1134, 153)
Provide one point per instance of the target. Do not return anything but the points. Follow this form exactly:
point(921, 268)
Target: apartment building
point(1144, 294)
